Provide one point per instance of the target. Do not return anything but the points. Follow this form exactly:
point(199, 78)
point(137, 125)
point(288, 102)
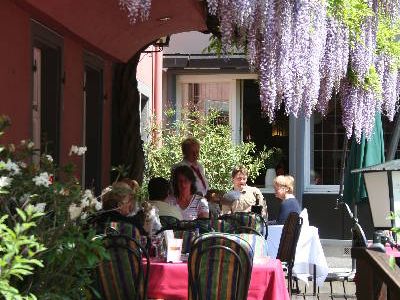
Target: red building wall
point(72, 101)
point(15, 71)
point(16, 86)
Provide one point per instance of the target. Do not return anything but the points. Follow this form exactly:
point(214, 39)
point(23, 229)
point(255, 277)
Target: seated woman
point(242, 197)
point(118, 204)
point(284, 189)
point(158, 189)
point(192, 206)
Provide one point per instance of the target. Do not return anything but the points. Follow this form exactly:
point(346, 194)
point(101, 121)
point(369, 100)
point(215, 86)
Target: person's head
point(132, 183)
point(283, 185)
point(191, 149)
point(184, 181)
point(120, 198)
point(158, 188)
point(239, 177)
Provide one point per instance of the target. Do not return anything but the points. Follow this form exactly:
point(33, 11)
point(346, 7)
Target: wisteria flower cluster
point(304, 53)
point(137, 9)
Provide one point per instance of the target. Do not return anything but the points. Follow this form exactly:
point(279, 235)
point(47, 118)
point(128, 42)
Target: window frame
point(235, 96)
point(42, 37)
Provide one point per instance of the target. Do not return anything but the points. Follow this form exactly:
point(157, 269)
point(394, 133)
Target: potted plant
point(271, 161)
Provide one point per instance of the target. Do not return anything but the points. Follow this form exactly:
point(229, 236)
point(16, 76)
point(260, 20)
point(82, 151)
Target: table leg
point(314, 279)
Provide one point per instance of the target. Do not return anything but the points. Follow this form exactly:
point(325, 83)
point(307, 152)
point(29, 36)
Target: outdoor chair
point(125, 274)
point(219, 260)
point(257, 243)
point(186, 229)
point(114, 223)
point(246, 222)
point(168, 222)
point(288, 243)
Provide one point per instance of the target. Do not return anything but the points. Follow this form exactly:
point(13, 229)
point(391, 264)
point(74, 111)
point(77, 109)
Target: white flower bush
point(54, 195)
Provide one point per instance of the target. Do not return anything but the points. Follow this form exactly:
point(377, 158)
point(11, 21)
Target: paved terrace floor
point(337, 261)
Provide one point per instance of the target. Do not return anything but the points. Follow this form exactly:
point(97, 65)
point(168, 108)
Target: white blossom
point(39, 207)
point(5, 181)
point(25, 198)
point(74, 211)
point(84, 215)
point(88, 199)
point(43, 179)
point(22, 164)
point(98, 205)
point(77, 150)
point(10, 166)
point(49, 158)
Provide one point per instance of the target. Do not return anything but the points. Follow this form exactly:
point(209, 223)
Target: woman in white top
point(192, 205)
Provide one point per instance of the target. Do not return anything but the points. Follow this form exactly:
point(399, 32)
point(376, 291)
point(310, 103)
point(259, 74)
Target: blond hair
point(118, 194)
point(285, 181)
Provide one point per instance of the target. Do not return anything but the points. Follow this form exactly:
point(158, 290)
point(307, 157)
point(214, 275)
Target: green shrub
point(18, 252)
point(218, 153)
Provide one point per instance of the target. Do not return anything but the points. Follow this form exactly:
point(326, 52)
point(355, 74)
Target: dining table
point(309, 258)
point(169, 281)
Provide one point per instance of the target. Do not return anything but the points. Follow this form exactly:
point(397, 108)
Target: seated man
point(158, 192)
point(243, 197)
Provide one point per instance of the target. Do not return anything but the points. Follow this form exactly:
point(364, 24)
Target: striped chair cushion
point(251, 220)
point(129, 230)
point(123, 275)
point(226, 226)
point(219, 267)
point(257, 243)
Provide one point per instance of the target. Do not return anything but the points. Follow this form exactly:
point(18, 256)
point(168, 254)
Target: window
point(46, 95)
point(205, 96)
point(388, 128)
point(327, 134)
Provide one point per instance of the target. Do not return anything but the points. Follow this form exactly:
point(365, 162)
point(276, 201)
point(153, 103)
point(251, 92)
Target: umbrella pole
point(341, 186)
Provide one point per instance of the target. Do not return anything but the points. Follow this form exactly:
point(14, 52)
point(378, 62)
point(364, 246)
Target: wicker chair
point(288, 243)
point(125, 274)
point(219, 260)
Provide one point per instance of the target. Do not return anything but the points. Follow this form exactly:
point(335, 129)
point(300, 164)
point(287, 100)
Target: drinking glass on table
point(158, 246)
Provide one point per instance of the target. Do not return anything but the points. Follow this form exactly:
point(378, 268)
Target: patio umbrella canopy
point(364, 154)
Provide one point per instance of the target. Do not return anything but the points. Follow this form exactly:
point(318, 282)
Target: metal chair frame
point(289, 240)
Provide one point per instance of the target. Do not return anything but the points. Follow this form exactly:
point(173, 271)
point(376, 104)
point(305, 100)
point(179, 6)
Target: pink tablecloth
point(170, 281)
